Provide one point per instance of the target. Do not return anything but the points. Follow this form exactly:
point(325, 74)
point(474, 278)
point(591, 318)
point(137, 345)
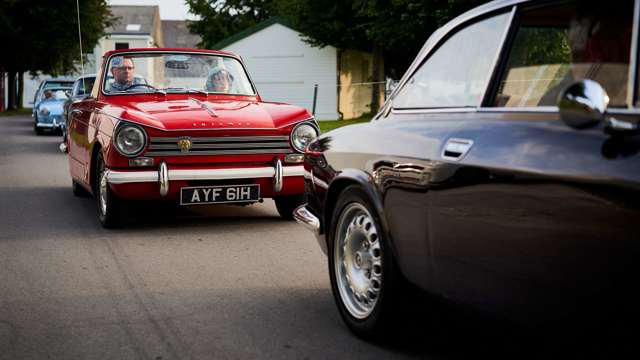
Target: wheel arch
point(365, 182)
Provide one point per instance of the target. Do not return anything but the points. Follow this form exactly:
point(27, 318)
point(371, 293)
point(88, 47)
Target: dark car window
point(83, 86)
point(558, 45)
point(456, 74)
point(57, 84)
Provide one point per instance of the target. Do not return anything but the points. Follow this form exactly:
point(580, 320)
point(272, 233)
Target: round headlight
point(302, 135)
point(130, 140)
point(44, 111)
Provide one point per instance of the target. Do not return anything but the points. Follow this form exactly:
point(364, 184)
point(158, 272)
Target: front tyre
point(364, 278)
point(78, 190)
point(109, 205)
point(286, 205)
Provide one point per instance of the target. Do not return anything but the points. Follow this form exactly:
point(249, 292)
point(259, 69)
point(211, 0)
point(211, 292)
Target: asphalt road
point(228, 282)
point(221, 283)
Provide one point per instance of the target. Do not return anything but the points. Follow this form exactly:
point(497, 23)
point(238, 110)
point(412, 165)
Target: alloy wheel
point(358, 260)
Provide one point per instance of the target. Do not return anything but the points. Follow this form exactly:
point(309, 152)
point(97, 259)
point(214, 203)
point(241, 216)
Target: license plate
point(219, 194)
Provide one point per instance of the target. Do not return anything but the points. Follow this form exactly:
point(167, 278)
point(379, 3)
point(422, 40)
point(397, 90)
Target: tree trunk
point(377, 78)
point(20, 94)
point(11, 87)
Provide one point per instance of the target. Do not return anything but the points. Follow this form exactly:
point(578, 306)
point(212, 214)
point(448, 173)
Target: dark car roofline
point(437, 36)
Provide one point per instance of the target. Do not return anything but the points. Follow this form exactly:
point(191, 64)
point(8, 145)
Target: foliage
point(220, 19)
point(43, 35)
point(398, 27)
point(540, 46)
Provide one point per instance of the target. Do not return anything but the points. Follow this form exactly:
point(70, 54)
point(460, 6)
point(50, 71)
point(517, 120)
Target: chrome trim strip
point(221, 174)
point(633, 60)
point(434, 110)
point(293, 170)
point(533, 109)
point(163, 175)
point(167, 146)
point(219, 152)
point(277, 178)
point(124, 177)
point(222, 139)
point(48, 125)
point(305, 218)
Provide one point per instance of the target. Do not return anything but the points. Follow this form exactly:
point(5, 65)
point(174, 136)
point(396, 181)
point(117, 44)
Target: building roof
point(252, 30)
point(177, 35)
point(134, 20)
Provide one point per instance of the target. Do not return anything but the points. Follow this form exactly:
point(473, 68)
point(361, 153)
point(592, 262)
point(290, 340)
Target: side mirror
point(583, 104)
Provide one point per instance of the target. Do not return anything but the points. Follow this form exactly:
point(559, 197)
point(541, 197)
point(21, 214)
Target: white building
point(285, 68)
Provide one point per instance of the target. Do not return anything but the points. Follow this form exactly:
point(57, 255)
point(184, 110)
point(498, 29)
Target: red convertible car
point(188, 126)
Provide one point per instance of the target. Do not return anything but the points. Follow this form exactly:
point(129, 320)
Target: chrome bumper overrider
point(164, 175)
point(311, 222)
point(305, 218)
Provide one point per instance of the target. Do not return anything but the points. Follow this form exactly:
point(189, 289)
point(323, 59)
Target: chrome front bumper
point(49, 125)
point(164, 175)
point(312, 223)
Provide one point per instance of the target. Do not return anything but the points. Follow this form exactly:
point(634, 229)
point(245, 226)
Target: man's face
point(221, 82)
point(123, 74)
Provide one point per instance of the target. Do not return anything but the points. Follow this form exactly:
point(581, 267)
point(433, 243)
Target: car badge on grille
point(185, 144)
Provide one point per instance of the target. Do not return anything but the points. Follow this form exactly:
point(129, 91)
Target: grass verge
point(328, 125)
point(23, 111)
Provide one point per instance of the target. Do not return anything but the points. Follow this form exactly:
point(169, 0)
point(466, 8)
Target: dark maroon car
point(502, 173)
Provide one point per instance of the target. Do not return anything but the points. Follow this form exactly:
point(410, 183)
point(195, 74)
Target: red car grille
point(230, 145)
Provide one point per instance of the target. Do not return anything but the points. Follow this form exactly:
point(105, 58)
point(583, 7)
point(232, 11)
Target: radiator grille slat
point(229, 145)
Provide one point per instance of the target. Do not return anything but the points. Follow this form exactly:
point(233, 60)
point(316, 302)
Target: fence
point(328, 101)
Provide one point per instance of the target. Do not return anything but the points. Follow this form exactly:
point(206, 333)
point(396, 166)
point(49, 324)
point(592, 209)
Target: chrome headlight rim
point(310, 123)
point(125, 125)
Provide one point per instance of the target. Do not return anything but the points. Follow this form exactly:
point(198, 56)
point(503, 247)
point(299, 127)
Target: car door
point(432, 103)
point(537, 219)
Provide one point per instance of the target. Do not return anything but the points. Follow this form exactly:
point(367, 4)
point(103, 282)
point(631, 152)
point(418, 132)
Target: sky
point(169, 9)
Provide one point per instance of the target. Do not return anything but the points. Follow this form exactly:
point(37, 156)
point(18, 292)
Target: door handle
point(456, 149)
point(76, 112)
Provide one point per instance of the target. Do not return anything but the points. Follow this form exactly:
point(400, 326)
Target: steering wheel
point(136, 85)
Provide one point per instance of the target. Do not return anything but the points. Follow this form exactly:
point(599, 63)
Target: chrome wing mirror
point(584, 104)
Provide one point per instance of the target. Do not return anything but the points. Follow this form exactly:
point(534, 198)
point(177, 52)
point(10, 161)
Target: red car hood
point(189, 114)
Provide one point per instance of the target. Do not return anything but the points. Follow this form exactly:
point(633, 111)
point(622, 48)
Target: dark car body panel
point(537, 221)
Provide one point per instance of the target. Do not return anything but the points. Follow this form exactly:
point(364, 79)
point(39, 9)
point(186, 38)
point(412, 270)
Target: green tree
point(42, 36)
point(392, 30)
point(220, 19)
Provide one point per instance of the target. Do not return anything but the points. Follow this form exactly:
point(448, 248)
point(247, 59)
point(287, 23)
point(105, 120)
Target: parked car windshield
point(176, 73)
point(54, 94)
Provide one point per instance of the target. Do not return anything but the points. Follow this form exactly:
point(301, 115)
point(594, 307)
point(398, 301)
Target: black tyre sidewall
point(372, 327)
point(111, 218)
point(286, 205)
point(77, 189)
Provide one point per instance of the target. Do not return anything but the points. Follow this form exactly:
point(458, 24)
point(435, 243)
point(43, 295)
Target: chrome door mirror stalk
point(584, 104)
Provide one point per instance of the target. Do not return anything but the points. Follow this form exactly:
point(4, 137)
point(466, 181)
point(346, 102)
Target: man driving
point(122, 70)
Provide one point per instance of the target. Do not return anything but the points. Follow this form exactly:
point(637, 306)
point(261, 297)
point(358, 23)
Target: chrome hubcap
point(358, 260)
point(103, 192)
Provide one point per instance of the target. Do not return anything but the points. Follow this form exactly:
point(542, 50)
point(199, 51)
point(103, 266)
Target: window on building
point(121, 45)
